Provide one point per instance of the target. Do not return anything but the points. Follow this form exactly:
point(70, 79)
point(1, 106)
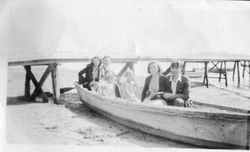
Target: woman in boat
point(154, 85)
point(106, 60)
point(109, 87)
point(93, 73)
point(128, 86)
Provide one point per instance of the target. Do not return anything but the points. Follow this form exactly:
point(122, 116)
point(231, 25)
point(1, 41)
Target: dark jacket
point(88, 71)
point(182, 88)
point(162, 86)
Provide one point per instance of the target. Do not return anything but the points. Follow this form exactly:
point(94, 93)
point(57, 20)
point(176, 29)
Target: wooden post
point(225, 74)
point(234, 69)
point(27, 83)
point(249, 70)
point(249, 76)
point(127, 65)
point(41, 82)
point(56, 92)
point(215, 66)
point(132, 66)
point(238, 71)
point(205, 78)
point(184, 67)
point(37, 85)
point(244, 68)
point(220, 71)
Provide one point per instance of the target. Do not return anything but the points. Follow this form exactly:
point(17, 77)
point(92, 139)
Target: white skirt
point(154, 102)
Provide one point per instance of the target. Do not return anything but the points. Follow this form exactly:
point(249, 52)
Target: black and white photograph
point(125, 75)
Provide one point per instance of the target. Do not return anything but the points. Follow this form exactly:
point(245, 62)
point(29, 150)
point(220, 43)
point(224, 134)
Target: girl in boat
point(109, 86)
point(107, 64)
point(154, 85)
point(93, 72)
point(128, 86)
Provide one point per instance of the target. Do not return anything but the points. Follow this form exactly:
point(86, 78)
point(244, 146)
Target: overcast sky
point(127, 28)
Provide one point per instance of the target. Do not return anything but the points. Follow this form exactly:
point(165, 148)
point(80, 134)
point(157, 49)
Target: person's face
point(175, 73)
point(130, 77)
point(153, 68)
point(109, 78)
point(96, 62)
point(106, 61)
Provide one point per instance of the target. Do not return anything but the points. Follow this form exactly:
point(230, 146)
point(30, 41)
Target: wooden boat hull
point(192, 126)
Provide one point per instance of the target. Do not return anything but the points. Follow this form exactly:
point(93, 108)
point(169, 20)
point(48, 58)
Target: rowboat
point(204, 125)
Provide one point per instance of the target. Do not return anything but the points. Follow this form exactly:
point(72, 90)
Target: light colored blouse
point(154, 84)
point(108, 89)
point(107, 70)
point(95, 73)
point(128, 90)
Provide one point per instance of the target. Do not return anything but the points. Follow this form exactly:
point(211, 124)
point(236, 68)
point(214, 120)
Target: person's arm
point(136, 84)
point(167, 71)
point(80, 75)
point(101, 72)
point(167, 94)
point(82, 71)
point(186, 91)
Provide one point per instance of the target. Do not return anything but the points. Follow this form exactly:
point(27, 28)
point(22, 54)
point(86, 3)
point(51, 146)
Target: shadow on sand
point(18, 100)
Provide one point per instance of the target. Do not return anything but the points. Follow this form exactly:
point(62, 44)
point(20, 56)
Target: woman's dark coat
point(162, 86)
point(88, 78)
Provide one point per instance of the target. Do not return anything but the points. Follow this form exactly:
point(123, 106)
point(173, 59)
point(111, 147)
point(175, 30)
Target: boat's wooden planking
point(216, 129)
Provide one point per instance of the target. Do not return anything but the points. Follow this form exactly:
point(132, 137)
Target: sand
point(72, 123)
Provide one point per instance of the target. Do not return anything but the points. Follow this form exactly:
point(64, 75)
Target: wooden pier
point(52, 64)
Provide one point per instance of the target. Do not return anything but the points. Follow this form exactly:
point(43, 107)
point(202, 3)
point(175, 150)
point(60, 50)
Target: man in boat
point(177, 87)
point(168, 70)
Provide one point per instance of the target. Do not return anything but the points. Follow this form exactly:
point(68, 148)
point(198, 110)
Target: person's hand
point(168, 96)
point(151, 96)
point(91, 83)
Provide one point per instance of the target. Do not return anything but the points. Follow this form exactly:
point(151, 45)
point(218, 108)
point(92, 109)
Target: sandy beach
point(69, 123)
point(72, 123)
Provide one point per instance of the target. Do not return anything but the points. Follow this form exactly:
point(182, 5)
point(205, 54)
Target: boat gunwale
point(180, 111)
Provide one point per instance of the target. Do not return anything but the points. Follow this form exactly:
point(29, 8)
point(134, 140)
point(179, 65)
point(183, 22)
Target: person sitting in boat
point(128, 86)
point(154, 85)
point(178, 87)
point(107, 64)
point(91, 73)
point(168, 70)
point(109, 86)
